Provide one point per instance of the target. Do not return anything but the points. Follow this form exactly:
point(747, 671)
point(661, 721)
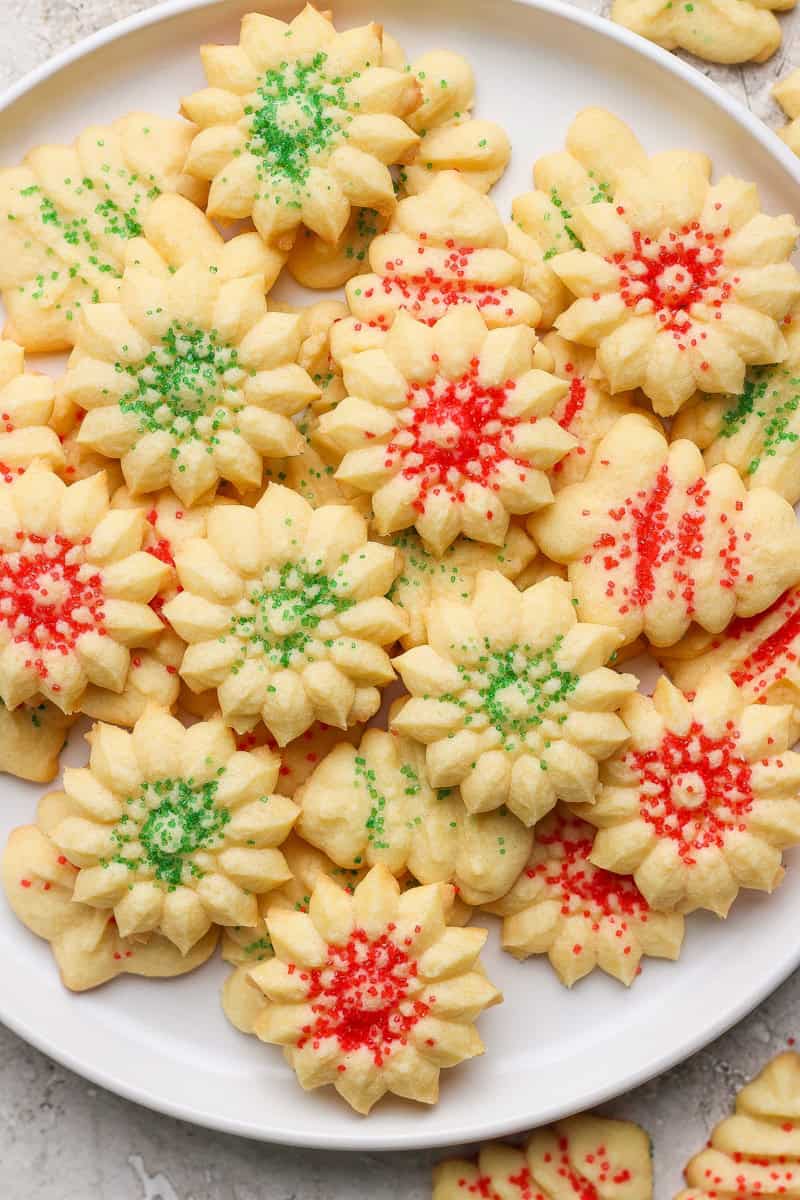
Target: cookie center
point(582, 888)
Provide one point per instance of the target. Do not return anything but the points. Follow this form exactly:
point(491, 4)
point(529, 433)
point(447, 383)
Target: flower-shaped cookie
point(75, 588)
point(787, 93)
point(680, 283)
point(67, 215)
point(174, 828)
point(425, 576)
point(284, 608)
point(653, 542)
point(756, 1152)
point(727, 31)
point(703, 801)
point(188, 379)
point(26, 406)
point(583, 1158)
point(512, 698)
point(578, 914)
point(31, 739)
point(448, 428)
point(758, 430)
point(298, 124)
point(86, 941)
point(373, 992)
point(374, 804)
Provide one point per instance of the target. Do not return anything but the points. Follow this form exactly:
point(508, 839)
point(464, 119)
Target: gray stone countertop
point(64, 1139)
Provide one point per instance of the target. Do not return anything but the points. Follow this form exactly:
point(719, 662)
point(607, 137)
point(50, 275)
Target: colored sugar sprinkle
point(484, 1187)
point(771, 395)
point(360, 997)
point(416, 290)
point(583, 888)
point(376, 819)
point(774, 655)
point(454, 432)
point(165, 825)
point(49, 595)
point(301, 114)
point(566, 216)
point(184, 386)
point(281, 616)
point(693, 788)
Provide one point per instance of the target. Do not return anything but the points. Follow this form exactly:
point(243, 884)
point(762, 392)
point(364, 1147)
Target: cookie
point(284, 609)
point(584, 1156)
point(654, 542)
point(757, 430)
point(581, 916)
point(448, 428)
point(787, 93)
point(172, 828)
point(512, 699)
point(373, 804)
point(31, 739)
point(26, 407)
point(68, 213)
point(680, 284)
point(703, 800)
point(188, 379)
point(298, 124)
point(728, 32)
point(75, 587)
point(152, 680)
point(78, 462)
point(426, 976)
point(755, 1152)
point(453, 575)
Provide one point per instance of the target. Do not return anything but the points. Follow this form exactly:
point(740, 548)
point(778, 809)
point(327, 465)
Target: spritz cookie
point(173, 828)
point(373, 803)
point(298, 124)
point(581, 916)
point(583, 1157)
point(85, 940)
point(26, 407)
point(704, 799)
point(75, 587)
point(755, 1152)
point(512, 697)
point(373, 992)
point(68, 213)
point(787, 93)
point(284, 608)
point(680, 284)
point(728, 32)
point(31, 739)
point(448, 428)
point(188, 379)
point(757, 430)
point(654, 542)
point(424, 575)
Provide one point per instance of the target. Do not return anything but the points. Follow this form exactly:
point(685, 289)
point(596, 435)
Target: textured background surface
point(62, 1139)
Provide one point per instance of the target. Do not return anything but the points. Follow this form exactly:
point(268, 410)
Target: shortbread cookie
point(653, 542)
point(787, 94)
point(425, 576)
point(583, 1158)
point(448, 428)
point(152, 680)
point(26, 406)
point(578, 914)
point(298, 124)
point(374, 804)
point(512, 698)
point(74, 589)
point(173, 828)
point(68, 213)
point(758, 430)
point(679, 284)
point(728, 31)
point(86, 942)
point(31, 739)
point(378, 953)
point(284, 608)
point(188, 379)
point(704, 799)
point(756, 1152)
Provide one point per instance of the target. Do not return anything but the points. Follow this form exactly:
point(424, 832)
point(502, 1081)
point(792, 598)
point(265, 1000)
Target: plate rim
point(485, 1128)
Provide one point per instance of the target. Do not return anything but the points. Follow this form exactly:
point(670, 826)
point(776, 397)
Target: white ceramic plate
point(549, 1051)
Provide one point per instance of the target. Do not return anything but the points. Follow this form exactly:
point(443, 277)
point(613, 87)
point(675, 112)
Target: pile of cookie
point(348, 592)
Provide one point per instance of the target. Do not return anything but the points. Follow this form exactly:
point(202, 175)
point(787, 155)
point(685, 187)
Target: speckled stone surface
point(63, 1139)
